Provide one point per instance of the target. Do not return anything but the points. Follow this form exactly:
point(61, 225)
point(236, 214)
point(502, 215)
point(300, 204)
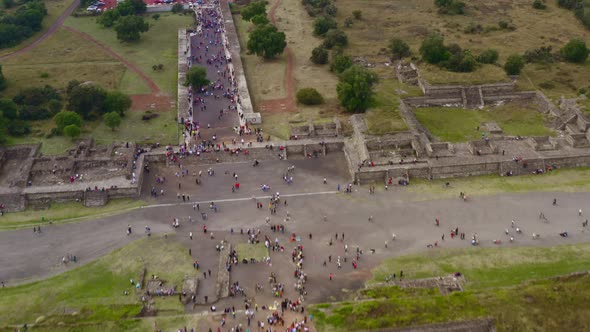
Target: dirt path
point(287, 103)
point(153, 86)
point(52, 29)
point(155, 100)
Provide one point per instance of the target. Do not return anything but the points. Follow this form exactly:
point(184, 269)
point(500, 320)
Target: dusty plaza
point(472, 215)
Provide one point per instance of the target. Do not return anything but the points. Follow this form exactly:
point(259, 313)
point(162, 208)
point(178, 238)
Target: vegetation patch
point(460, 125)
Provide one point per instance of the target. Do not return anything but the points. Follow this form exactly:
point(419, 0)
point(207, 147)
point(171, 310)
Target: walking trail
point(287, 103)
point(52, 29)
point(156, 99)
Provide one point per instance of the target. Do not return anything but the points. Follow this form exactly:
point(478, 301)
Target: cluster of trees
point(20, 25)
point(452, 57)
point(126, 20)
point(82, 101)
point(265, 39)
point(581, 9)
point(319, 7)
point(450, 7)
point(574, 51)
point(334, 39)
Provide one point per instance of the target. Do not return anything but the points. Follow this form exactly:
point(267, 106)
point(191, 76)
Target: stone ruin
point(317, 130)
point(87, 173)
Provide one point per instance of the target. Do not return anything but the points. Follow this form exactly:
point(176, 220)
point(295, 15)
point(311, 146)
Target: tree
point(8, 109)
point(8, 3)
point(129, 28)
point(340, 63)
point(319, 56)
point(54, 106)
point(355, 89)
point(575, 51)
point(3, 82)
point(266, 41)
point(260, 19)
point(335, 38)
point(357, 14)
point(309, 96)
point(462, 61)
point(139, 7)
point(112, 120)
point(117, 102)
point(87, 100)
point(66, 118)
point(398, 48)
point(196, 77)
point(253, 9)
point(177, 8)
point(488, 56)
point(72, 131)
point(322, 24)
point(433, 49)
point(108, 18)
point(514, 64)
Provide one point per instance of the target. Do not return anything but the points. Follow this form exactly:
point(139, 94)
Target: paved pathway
point(25, 255)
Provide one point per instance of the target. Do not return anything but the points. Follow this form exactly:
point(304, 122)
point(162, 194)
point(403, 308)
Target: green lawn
point(491, 267)
point(157, 46)
point(459, 125)
point(384, 117)
point(94, 293)
point(64, 212)
point(561, 180)
point(249, 251)
point(162, 129)
point(508, 285)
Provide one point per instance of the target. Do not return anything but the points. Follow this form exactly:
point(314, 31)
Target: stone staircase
point(472, 97)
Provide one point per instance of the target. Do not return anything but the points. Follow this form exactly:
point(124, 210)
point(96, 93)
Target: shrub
point(340, 63)
point(575, 51)
point(473, 28)
point(330, 10)
point(539, 55)
point(357, 14)
point(461, 61)
point(309, 96)
point(66, 118)
point(335, 37)
point(348, 22)
point(488, 56)
point(514, 64)
point(319, 56)
point(433, 49)
point(19, 127)
point(72, 131)
point(177, 8)
point(398, 48)
point(539, 4)
point(322, 24)
point(156, 17)
point(450, 7)
point(547, 85)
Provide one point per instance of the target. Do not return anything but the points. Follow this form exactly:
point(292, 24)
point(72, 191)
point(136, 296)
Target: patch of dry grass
point(413, 20)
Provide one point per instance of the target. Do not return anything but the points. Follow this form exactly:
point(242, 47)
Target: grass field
point(384, 117)
point(459, 125)
point(94, 293)
point(157, 46)
point(54, 9)
point(508, 285)
point(414, 20)
point(561, 180)
point(162, 129)
point(64, 212)
point(64, 57)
